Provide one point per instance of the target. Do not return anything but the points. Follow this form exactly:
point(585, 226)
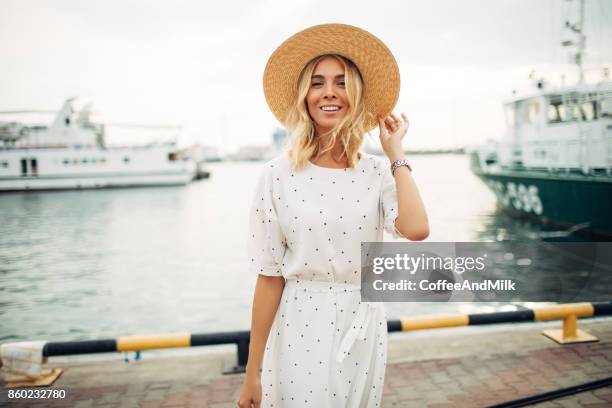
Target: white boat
point(71, 153)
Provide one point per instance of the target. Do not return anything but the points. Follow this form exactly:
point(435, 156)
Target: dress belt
point(366, 312)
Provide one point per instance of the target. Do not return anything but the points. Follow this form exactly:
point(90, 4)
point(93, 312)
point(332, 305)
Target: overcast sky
point(199, 64)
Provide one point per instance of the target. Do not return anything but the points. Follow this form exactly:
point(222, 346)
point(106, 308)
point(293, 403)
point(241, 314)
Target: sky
point(199, 64)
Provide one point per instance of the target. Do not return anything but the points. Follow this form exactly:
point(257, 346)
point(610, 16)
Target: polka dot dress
point(326, 348)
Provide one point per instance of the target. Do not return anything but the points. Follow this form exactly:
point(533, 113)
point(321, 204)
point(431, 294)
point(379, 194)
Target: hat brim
point(378, 68)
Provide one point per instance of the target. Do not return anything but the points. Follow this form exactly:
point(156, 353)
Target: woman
point(317, 344)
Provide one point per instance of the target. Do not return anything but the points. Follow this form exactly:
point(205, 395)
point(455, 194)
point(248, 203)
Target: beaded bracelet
point(399, 163)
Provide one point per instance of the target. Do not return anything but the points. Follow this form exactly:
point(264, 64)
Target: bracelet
point(399, 163)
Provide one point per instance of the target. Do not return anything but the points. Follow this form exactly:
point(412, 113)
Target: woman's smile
point(331, 109)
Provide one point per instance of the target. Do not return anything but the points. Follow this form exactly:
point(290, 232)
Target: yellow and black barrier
point(566, 312)
point(23, 361)
point(139, 343)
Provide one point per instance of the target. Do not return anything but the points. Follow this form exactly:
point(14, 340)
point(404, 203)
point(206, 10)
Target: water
point(100, 264)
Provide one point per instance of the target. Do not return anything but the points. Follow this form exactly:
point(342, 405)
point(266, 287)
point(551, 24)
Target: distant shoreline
point(425, 151)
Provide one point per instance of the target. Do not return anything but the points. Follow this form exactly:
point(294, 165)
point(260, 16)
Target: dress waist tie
point(368, 312)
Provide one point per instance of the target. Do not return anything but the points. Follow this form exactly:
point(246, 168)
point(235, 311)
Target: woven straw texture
point(377, 65)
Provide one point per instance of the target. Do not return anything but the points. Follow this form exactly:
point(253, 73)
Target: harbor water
point(105, 263)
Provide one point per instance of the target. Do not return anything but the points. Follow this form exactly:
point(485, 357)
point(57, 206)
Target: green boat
point(554, 163)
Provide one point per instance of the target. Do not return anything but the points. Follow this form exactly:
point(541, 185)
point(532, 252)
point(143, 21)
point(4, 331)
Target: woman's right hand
point(250, 394)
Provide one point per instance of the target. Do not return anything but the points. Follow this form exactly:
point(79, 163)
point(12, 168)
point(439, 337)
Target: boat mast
point(579, 30)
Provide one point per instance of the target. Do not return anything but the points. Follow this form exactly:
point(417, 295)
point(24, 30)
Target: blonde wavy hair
point(305, 142)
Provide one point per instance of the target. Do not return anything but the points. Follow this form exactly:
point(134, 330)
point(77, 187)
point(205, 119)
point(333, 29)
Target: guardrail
point(566, 312)
point(26, 358)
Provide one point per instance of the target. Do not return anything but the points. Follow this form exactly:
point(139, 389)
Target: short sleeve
point(267, 243)
point(388, 198)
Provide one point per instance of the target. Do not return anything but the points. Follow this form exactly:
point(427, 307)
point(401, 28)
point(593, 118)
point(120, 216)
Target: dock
point(439, 368)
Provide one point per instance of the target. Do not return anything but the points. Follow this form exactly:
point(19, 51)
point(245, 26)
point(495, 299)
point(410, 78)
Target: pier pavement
point(442, 368)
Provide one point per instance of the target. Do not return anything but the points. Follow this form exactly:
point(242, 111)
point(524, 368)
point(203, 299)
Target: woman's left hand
point(392, 131)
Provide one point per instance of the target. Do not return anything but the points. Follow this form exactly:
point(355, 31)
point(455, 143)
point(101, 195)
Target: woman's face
point(326, 98)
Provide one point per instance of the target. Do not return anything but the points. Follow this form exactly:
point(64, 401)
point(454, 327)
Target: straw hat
point(377, 65)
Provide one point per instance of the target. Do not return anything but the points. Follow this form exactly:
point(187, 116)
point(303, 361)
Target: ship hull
point(93, 182)
point(69, 169)
point(562, 200)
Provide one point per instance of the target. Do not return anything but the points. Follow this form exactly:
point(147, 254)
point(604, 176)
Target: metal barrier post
point(569, 326)
point(569, 333)
point(243, 356)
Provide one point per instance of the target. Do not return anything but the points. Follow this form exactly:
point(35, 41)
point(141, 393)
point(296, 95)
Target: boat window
point(588, 110)
point(568, 112)
point(172, 156)
point(557, 110)
point(126, 160)
point(24, 167)
point(574, 107)
point(531, 112)
point(577, 113)
point(606, 108)
point(554, 114)
point(5, 164)
point(564, 113)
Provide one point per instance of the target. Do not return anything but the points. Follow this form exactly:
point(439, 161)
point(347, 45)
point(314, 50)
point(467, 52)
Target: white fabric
point(326, 348)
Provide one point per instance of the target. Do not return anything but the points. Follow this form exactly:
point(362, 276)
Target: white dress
point(326, 348)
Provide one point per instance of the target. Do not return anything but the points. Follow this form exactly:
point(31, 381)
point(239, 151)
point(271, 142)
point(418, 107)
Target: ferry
point(72, 153)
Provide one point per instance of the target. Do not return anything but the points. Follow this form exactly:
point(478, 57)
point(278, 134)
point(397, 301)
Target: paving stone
point(83, 404)
point(568, 403)
point(155, 395)
point(406, 393)
point(109, 398)
point(129, 402)
point(411, 404)
point(436, 398)
point(589, 398)
point(158, 386)
point(604, 393)
point(449, 388)
point(547, 404)
point(148, 404)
